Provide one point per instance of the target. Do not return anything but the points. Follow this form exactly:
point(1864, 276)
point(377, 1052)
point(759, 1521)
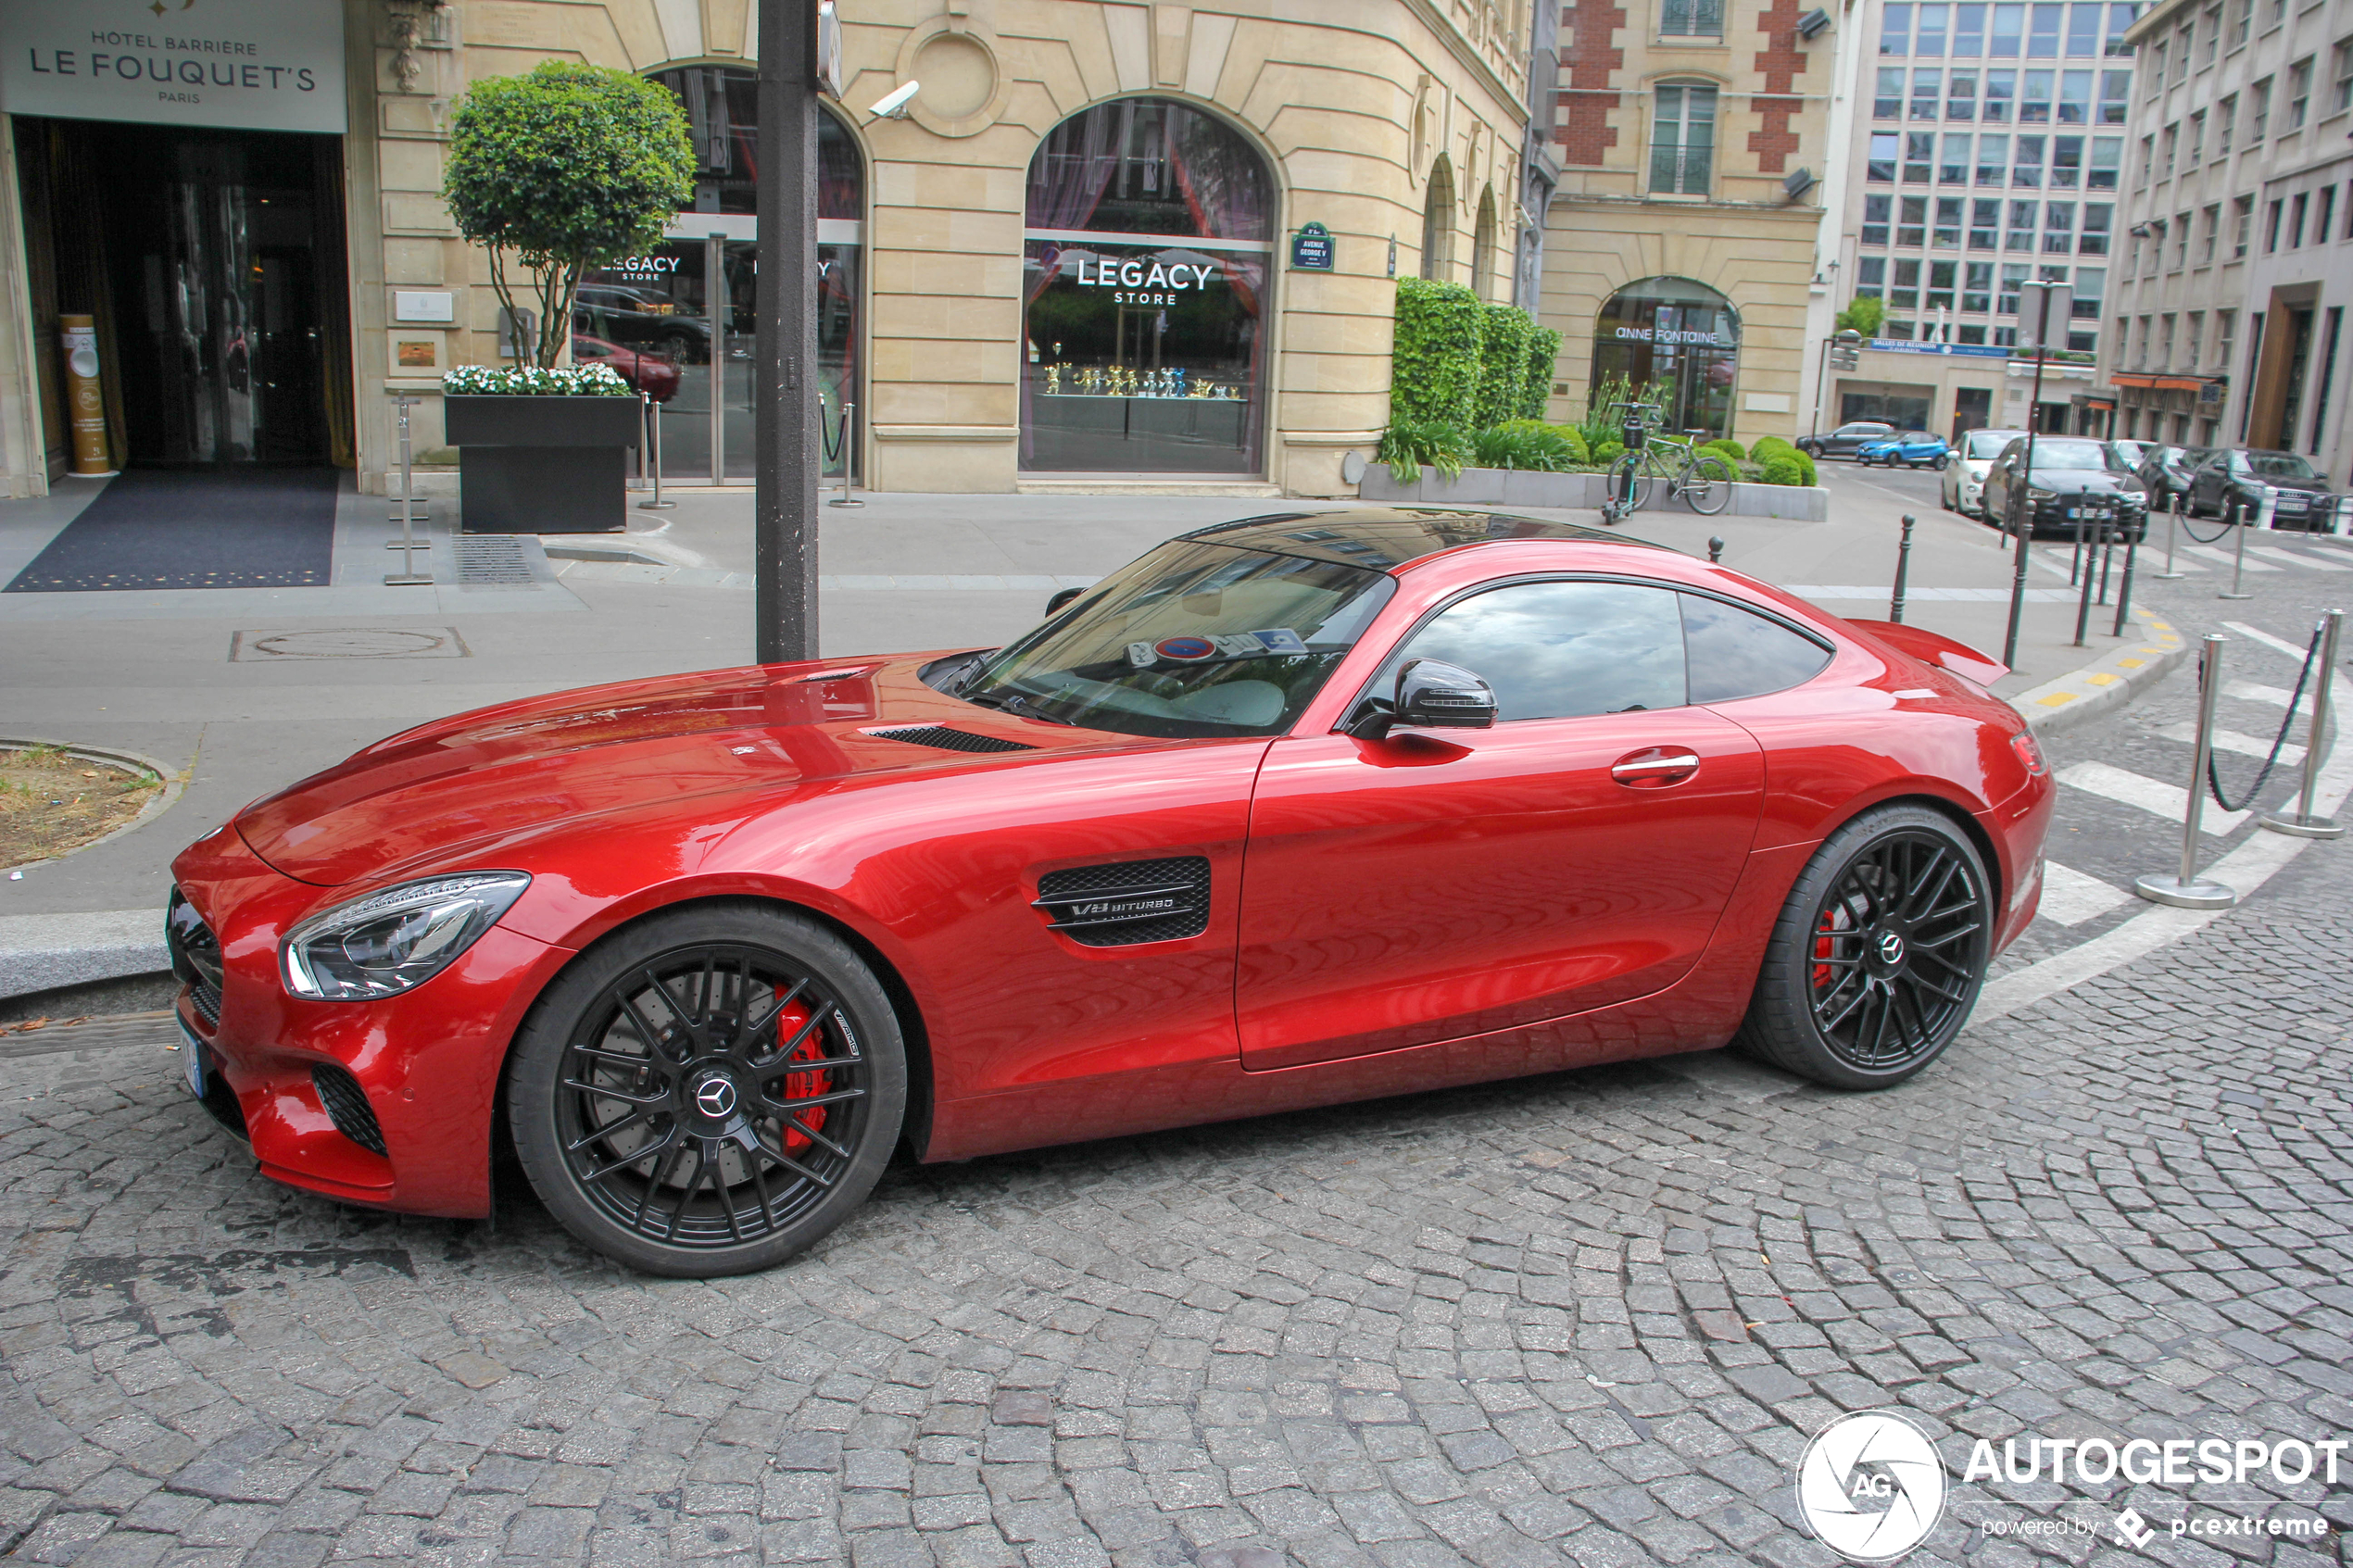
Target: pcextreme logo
point(1870, 1486)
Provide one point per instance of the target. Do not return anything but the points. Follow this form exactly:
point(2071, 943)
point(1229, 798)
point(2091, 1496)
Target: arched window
point(1483, 246)
point(691, 300)
point(1675, 342)
point(1438, 222)
point(1145, 271)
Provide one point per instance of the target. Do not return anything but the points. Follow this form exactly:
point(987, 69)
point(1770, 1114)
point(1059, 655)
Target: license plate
point(2075, 511)
point(195, 1049)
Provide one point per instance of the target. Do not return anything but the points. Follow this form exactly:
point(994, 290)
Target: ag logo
point(1870, 1486)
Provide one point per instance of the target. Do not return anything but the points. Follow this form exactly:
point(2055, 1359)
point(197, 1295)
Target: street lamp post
point(784, 360)
point(2038, 301)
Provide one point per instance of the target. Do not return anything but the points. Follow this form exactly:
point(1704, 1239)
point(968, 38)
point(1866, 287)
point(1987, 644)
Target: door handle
point(1654, 767)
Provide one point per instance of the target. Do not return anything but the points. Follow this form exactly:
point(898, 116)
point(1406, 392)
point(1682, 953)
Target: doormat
point(161, 528)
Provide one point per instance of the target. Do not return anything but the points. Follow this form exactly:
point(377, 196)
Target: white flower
point(509, 381)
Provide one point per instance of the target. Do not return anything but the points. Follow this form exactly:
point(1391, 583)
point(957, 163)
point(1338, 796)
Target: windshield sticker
point(1142, 656)
point(1281, 639)
point(1186, 650)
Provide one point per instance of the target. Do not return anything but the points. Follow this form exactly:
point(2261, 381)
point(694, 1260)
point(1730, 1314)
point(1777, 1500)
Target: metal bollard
point(2239, 566)
point(2017, 581)
point(2109, 528)
point(643, 403)
point(2303, 822)
point(2075, 560)
point(2083, 600)
point(1903, 572)
point(2173, 527)
point(407, 576)
point(2190, 891)
point(656, 504)
point(2124, 589)
point(1715, 548)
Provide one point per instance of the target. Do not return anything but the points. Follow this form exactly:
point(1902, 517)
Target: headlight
point(395, 939)
point(2033, 494)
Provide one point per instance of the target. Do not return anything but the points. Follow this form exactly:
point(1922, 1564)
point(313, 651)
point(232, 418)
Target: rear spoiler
point(1930, 648)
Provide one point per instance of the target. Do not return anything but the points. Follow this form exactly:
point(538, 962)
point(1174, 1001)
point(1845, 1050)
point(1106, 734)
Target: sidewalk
point(186, 676)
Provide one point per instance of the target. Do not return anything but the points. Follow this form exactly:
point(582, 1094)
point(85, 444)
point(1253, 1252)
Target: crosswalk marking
point(2069, 897)
point(2169, 801)
point(2256, 691)
point(2314, 562)
point(2233, 741)
point(2257, 634)
point(2214, 553)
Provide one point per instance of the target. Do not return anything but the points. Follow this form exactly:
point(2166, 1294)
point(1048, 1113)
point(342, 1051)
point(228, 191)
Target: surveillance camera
point(893, 106)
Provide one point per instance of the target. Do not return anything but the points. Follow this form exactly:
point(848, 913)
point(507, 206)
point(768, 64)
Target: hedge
point(1730, 447)
point(1782, 467)
point(1543, 359)
point(1435, 366)
point(1502, 363)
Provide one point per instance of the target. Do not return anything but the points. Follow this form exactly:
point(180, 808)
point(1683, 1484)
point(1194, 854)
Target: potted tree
point(557, 172)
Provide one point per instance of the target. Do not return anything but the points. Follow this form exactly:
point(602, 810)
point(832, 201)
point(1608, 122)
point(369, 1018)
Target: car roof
point(1380, 538)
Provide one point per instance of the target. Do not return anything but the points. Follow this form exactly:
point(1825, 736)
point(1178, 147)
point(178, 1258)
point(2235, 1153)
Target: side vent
point(947, 739)
point(348, 1106)
point(1131, 901)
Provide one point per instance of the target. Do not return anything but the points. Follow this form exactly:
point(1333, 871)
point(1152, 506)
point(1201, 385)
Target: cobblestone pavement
point(1591, 1317)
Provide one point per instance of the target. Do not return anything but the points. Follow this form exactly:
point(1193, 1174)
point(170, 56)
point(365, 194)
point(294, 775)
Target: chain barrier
point(2189, 524)
point(2263, 775)
point(831, 435)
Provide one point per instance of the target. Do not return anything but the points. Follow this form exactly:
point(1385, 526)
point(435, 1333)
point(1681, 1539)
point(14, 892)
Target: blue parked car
point(1913, 448)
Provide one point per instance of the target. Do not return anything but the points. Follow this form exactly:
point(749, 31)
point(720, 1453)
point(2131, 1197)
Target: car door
point(1438, 884)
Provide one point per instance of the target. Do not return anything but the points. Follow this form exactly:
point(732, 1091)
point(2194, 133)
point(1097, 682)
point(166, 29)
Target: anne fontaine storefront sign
point(247, 64)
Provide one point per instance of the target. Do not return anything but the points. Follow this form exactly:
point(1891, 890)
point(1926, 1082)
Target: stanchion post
point(1903, 571)
point(656, 504)
point(643, 440)
point(407, 576)
point(2083, 597)
point(2304, 821)
point(2190, 891)
point(849, 412)
point(2238, 561)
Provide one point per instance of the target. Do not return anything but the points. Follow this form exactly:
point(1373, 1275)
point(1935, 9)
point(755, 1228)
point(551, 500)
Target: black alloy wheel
point(1879, 952)
point(708, 1092)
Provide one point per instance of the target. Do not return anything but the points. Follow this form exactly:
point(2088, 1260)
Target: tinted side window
point(1558, 650)
point(1735, 653)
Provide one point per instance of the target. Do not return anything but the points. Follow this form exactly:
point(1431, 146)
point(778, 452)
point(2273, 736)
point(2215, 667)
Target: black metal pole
point(2024, 481)
point(2124, 589)
point(784, 363)
point(2084, 600)
point(1903, 571)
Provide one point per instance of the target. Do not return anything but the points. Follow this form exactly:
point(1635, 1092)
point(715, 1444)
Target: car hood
point(2080, 479)
point(425, 795)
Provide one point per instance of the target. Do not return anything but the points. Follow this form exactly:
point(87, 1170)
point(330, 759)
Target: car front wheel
point(1878, 954)
point(708, 1091)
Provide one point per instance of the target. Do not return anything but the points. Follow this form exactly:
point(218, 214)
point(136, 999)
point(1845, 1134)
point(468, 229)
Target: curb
point(2105, 684)
point(175, 782)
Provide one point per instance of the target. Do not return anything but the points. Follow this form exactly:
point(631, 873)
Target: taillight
point(2029, 754)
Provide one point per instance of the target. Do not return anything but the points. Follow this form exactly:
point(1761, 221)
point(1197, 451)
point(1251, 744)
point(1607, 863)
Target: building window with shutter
point(1683, 139)
point(1691, 18)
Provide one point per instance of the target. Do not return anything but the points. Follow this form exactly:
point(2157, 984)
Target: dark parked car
point(2166, 471)
point(657, 379)
point(2075, 479)
point(1846, 440)
point(2231, 484)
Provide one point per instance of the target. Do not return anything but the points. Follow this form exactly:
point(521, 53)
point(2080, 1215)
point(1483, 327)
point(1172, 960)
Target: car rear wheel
point(708, 1092)
point(1878, 955)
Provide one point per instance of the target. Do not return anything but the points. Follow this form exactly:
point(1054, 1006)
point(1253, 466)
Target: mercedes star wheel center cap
point(1891, 947)
point(716, 1096)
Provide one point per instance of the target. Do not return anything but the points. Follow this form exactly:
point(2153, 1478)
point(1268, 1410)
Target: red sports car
point(1298, 810)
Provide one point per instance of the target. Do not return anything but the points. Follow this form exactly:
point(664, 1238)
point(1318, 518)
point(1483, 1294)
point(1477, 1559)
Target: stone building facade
point(1069, 264)
point(1693, 136)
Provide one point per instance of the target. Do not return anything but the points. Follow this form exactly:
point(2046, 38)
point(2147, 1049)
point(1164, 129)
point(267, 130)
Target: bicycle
point(1703, 479)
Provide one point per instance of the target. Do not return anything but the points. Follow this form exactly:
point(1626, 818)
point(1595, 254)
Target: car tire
point(663, 1042)
point(1901, 872)
point(1943, 462)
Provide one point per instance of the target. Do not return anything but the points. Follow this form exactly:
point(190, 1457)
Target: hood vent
point(1131, 901)
point(947, 739)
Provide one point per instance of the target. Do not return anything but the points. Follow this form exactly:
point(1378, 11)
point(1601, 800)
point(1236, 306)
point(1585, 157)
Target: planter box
point(1525, 487)
point(542, 465)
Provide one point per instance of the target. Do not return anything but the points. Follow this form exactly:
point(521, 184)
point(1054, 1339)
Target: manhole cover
point(347, 642)
point(493, 557)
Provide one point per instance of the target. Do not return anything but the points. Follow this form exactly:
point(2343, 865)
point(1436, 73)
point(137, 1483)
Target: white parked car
point(1963, 485)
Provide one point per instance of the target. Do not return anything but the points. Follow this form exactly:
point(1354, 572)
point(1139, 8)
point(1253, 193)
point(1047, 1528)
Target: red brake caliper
point(1822, 953)
point(799, 1086)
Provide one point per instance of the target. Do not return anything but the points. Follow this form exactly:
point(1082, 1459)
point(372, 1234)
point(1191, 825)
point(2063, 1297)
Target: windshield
point(2280, 465)
point(1985, 445)
point(1193, 639)
point(2051, 454)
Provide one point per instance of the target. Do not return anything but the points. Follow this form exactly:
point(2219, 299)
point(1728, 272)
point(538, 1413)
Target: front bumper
point(424, 1065)
point(2054, 517)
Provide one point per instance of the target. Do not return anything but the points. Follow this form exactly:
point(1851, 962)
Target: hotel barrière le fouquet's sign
point(247, 65)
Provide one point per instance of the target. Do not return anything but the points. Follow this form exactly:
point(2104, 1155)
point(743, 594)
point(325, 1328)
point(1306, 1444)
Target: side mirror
point(1062, 597)
point(1431, 695)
